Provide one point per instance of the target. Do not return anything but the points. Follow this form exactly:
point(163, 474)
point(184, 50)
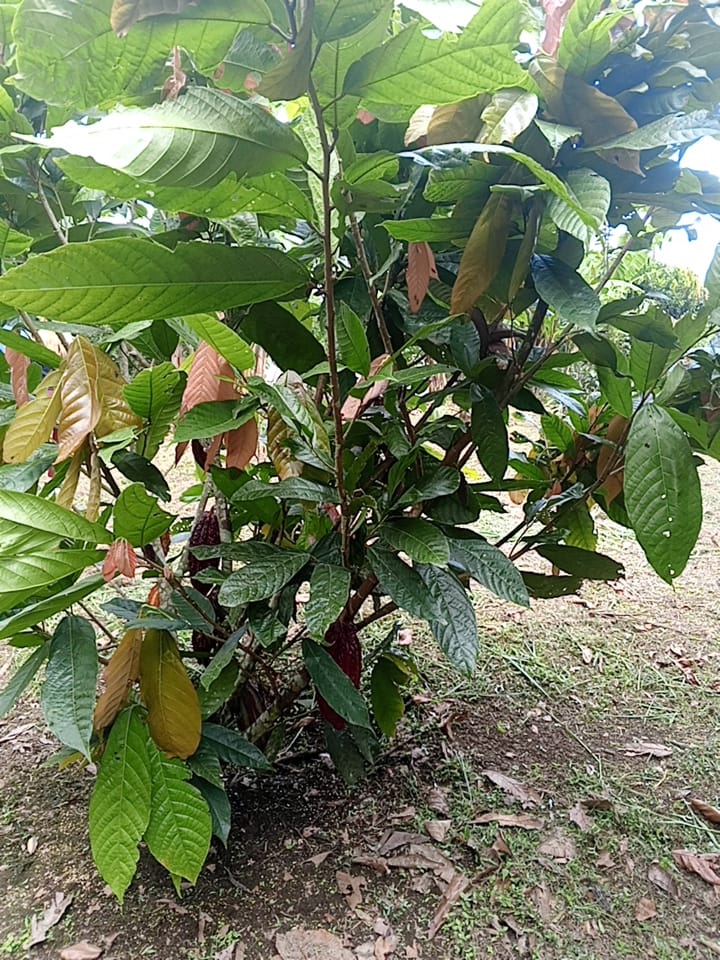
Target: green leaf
point(507, 115)
point(137, 517)
point(220, 690)
point(214, 417)
point(22, 477)
point(138, 469)
point(329, 591)
point(662, 491)
point(231, 747)
point(489, 432)
point(26, 510)
point(588, 36)
point(22, 678)
point(653, 327)
point(333, 685)
point(439, 482)
point(581, 563)
point(180, 827)
point(205, 764)
point(403, 585)
point(457, 633)
point(571, 297)
point(222, 339)
point(546, 588)
point(262, 578)
point(219, 805)
point(420, 540)
point(155, 395)
point(194, 141)
point(410, 69)
point(68, 693)
point(680, 128)
point(387, 703)
point(44, 609)
point(290, 345)
point(130, 279)
point(222, 658)
point(352, 340)
point(647, 364)
point(29, 348)
point(120, 802)
point(429, 229)
point(490, 567)
point(335, 19)
point(22, 576)
point(592, 194)
point(294, 488)
point(617, 391)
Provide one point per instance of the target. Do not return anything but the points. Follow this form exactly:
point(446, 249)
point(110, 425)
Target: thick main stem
point(331, 318)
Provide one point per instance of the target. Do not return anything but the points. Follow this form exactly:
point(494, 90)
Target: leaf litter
point(40, 926)
point(528, 796)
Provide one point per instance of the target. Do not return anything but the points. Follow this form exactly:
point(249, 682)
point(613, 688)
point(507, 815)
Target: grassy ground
point(559, 693)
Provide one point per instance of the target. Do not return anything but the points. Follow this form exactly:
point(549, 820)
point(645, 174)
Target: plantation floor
point(605, 711)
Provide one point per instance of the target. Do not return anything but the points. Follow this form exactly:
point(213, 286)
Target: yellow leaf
point(484, 252)
point(68, 488)
point(122, 670)
point(92, 509)
point(80, 401)
point(171, 700)
point(114, 410)
point(33, 422)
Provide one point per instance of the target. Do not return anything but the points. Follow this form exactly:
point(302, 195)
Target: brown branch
point(266, 721)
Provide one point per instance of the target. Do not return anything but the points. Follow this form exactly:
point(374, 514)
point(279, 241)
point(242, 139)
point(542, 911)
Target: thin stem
point(622, 252)
point(372, 290)
point(98, 623)
point(331, 317)
point(50, 213)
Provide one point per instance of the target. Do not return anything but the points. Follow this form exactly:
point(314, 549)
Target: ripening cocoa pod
point(206, 532)
point(343, 645)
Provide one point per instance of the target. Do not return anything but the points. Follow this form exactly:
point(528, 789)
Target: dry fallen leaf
point(558, 846)
point(704, 865)
point(453, 892)
point(522, 820)
point(81, 951)
point(544, 902)
point(437, 801)
point(579, 817)
point(31, 845)
point(527, 796)
point(645, 910)
point(236, 951)
point(350, 887)
point(424, 857)
point(642, 748)
point(378, 864)
point(438, 829)
point(301, 944)
point(319, 858)
point(662, 879)
point(712, 814)
point(406, 813)
point(41, 926)
point(399, 838)
point(604, 860)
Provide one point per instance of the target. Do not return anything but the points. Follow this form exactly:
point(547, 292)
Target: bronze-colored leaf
point(421, 268)
point(121, 559)
point(556, 12)
point(33, 422)
point(712, 814)
point(92, 507)
point(645, 909)
point(115, 414)
point(68, 488)
point(522, 820)
point(454, 890)
point(211, 378)
point(527, 796)
point(613, 483)
point(172, 702)
point(80, 399)
point(662, 879)
point(484, 252)
point(122, 670)
point(18, 364)
point(573, 102)
point(241, 445)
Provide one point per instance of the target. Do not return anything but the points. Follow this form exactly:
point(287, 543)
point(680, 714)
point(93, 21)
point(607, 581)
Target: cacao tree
point(363, 268)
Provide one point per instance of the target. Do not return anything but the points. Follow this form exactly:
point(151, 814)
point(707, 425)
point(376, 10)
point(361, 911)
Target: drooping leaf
point(180, 827)
point(352, 340)
point(23, 476)
point(222, 339)
point(172, 701)
point(130, 279)
point(137, 517)
point(33, 422)
point(419, 539)
point(457, 633)
point(120, 802)
point(329, 590)
point(262, 578)
point(22, 678)
point(581, 563)
point(204, 420)
point(572, 298)
point(140, 470)
point(68, 693)
point(155, 395)
point(333, 685)
point(403, 584)
point(420, 271)
point(219, 806)
point(484, 251)
point(662, 491)
point(44, 609)
point(122, 670)
point(241, 444)
point(592, 194)
point(291, 345)
point(546, 588)
point(288, 78)
point(489, 432)
point(490, 567)
point(388, 676)
point(232, 747)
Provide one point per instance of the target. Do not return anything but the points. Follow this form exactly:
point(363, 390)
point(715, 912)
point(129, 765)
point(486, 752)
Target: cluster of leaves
point(337, 252)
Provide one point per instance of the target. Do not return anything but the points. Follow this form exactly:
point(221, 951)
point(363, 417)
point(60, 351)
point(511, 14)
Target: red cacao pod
point(343, 645)
point(206, 532)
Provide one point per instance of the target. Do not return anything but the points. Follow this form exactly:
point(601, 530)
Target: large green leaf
point(22, 678)
point(137, 517)
point(180, 827)
point(222, 339)
point(489, 432)
point(592, 194)
point(29, 511)
point(194, 141)
point(335, 19)
point(420, 540)
point(679, 128)
point(22, 575)
point(662, 491)
point(490, 567)
point(120, 802)
point(67, 52)
point(389, 674)
point(68, 693)
point(333, 685)
point(155, 395)
point(262, 578)
point(352, 340)
point(219, 805)
point(44, 609)
point(581, 563)
point(214, 417)
point(29, 348)
point(329, 590)
point(411, 69)
point(125, 13)
point(457, 633)
point(22, 477)
point(131, 279)
point(588, 35)
point(232, 747)
point(291, 345)
point(570, 296)
point(403, 585)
